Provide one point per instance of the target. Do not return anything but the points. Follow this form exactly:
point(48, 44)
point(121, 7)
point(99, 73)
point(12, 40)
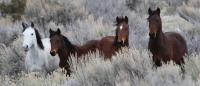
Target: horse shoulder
point(178, 44)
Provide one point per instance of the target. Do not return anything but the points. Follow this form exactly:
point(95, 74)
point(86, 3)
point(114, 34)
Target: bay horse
point(64, 48)
point(164, 46)
point(37, 58)
point(109, 45)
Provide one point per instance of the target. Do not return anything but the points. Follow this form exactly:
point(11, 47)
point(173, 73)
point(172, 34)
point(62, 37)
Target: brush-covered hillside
point(83, 20)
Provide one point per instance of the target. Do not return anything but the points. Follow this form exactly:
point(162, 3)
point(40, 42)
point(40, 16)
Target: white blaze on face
point(121, 27)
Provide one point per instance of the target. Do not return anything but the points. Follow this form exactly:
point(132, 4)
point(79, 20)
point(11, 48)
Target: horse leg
point(157, 63)
point(67, 68)
point(181, 64)
point(68, 72)
point(182, 70)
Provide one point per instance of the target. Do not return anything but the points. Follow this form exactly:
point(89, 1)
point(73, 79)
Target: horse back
point(89, 46)
point(177, 39)
point(106, 46)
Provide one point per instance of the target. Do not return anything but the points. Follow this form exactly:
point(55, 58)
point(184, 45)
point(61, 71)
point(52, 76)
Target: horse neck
point(159, 42)
point(65, 53)
point(64, 57)
point(34, 51)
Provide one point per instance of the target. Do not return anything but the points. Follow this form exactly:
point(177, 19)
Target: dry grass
point(82, 20)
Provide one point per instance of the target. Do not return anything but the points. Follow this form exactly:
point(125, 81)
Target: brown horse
point(64, 48)
point(107, 46)
point(110, 44)
point(164, 46)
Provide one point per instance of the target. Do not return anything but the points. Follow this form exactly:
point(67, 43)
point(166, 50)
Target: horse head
point(122, 31)
point(155, 23)
point(56, 41)
point(31, 37)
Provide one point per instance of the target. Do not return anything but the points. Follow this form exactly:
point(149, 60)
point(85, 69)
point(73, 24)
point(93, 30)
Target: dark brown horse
point(64, 48)
point(109, 45)
point(164, 46)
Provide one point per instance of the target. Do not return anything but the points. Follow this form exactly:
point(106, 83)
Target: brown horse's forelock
point(39, 41)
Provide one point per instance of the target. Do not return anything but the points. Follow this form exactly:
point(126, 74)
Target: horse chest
point(34, 59)
point(161, 52)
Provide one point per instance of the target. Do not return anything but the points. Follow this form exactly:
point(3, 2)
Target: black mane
point(39, 41)
point(68, 44)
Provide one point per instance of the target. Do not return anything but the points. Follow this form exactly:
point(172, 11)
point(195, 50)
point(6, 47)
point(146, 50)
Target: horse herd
point(51, 53)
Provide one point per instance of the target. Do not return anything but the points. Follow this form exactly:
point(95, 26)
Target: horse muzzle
point(53, 53)
point(25, 48)
point(123, 40)
point(152, 35)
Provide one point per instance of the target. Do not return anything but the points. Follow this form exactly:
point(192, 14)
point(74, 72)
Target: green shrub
point(16, 8)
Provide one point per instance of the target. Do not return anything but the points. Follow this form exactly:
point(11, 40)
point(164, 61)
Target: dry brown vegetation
point(82, 20)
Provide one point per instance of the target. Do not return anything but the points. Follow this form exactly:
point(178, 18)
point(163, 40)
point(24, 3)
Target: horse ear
point(24, 25)
point(117, 19)
point(126, 19)
point(158, 11)
point(58, 31)
point(32, 24)
point(150, 11)
point(50, 31)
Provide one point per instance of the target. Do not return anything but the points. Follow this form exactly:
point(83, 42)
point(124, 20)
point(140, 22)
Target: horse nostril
point(152, 35)
point(26, 48)
point(123, 40)
point(53, 53)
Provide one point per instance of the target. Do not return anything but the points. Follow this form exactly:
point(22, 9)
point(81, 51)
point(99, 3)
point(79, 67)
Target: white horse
point(38, 58)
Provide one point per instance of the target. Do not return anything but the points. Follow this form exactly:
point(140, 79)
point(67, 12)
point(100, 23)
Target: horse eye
point(31, 34)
